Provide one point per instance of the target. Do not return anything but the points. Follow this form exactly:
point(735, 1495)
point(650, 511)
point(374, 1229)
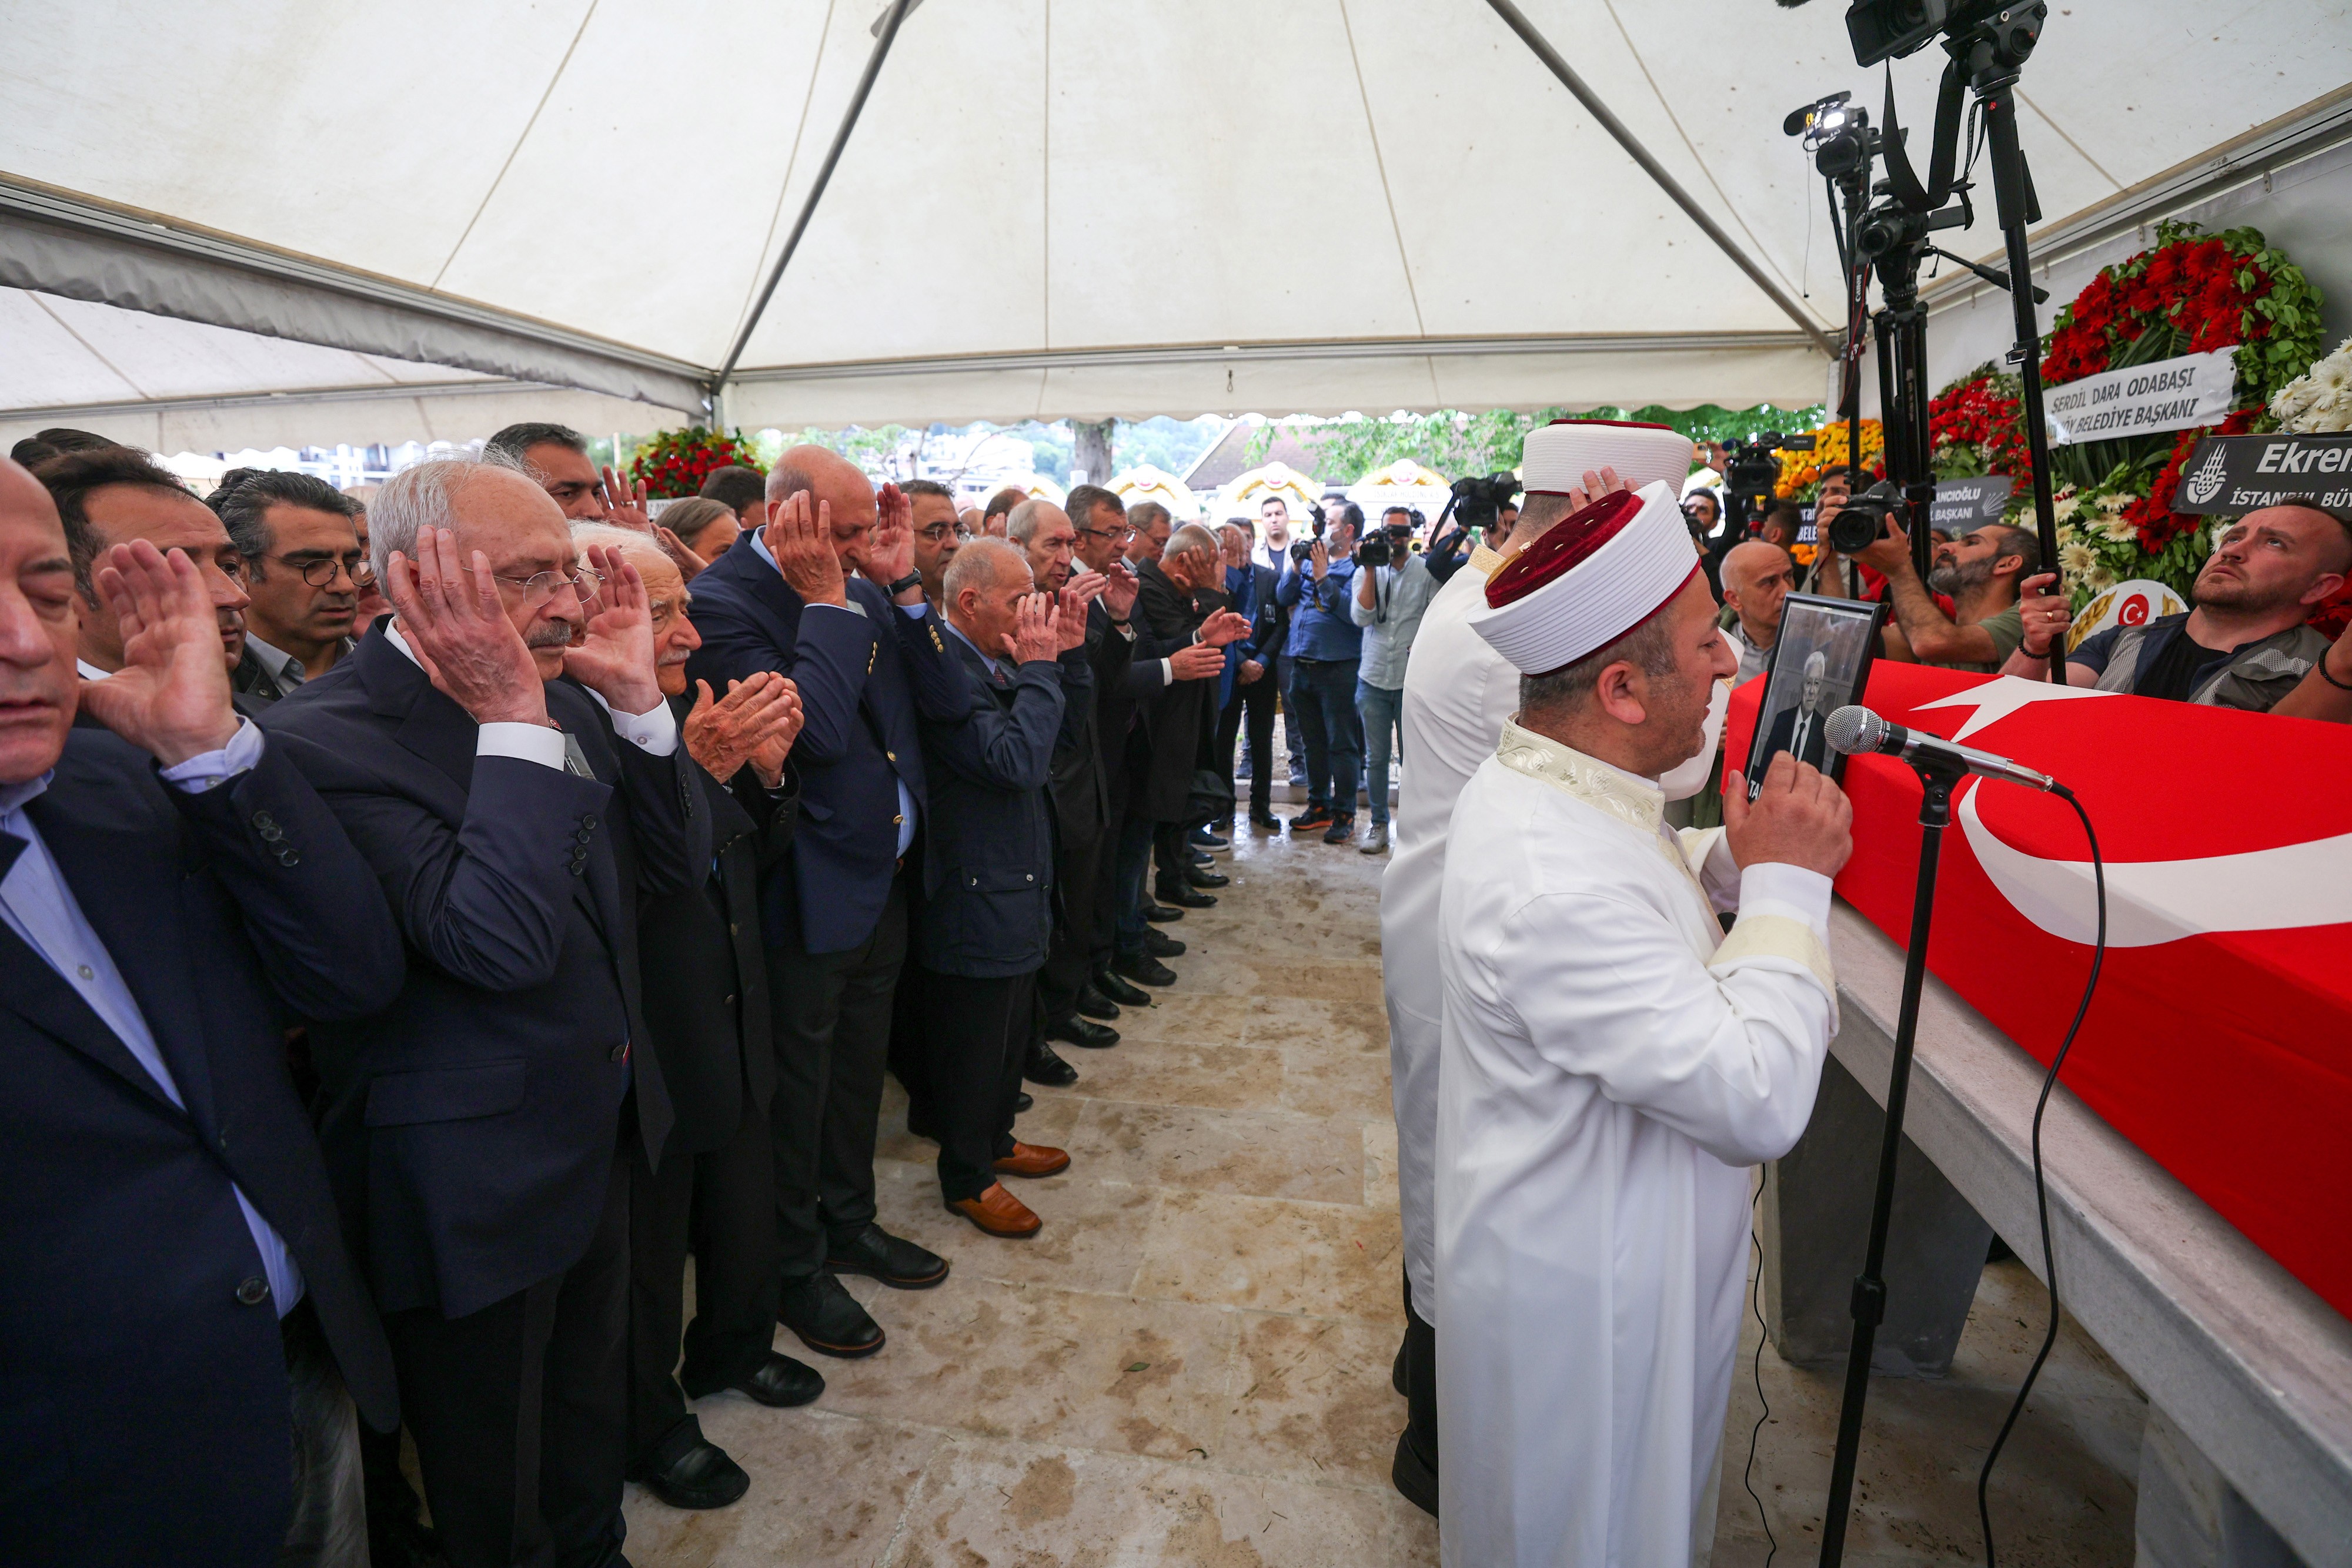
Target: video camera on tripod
point(1751, 474)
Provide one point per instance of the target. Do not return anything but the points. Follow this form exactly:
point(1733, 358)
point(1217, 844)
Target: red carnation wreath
point(674, 462)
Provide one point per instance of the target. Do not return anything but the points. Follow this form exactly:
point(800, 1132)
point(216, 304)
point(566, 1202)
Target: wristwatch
point(912, 579)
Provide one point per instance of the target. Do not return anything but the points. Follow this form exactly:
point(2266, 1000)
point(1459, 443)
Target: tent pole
point(1516, 21)
point(897, 13)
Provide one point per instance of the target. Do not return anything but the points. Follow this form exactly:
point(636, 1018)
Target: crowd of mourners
point(433, 912)
point(429, 915)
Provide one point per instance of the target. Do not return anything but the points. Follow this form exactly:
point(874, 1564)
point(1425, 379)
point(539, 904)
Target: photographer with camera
point(1982, 572)
point(1392, 588)
point(1481, 501)
point(1325, 649)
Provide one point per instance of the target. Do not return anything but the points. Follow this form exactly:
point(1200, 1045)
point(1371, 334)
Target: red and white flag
point(2221, 1040)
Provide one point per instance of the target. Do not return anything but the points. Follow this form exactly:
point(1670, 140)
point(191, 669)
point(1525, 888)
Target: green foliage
point(1454, 443)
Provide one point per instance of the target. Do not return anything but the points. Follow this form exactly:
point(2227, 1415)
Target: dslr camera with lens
point(1751, 473)
point(1861, 518)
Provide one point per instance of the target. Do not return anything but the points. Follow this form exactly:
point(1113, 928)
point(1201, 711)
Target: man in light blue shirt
point(1324, 648)
point(1387, 604)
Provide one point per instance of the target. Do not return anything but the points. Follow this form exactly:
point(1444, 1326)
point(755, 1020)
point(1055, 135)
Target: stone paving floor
point(1190, 1364)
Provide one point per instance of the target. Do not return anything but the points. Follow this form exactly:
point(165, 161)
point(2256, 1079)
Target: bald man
point(828, 594)
point(1756, 577)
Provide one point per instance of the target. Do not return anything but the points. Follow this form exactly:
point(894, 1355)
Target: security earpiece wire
point(2041, 1190)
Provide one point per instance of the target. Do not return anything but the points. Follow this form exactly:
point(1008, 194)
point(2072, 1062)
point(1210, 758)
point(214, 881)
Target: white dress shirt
point(36, 904)
point(907, 808)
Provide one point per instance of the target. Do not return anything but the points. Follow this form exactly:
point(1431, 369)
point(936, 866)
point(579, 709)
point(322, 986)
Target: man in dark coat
point(868, 655)
point(984, 930)
point(514, 802)
point(176, 1299)
point(1081, 793)
point(1181, 603)
point(1248, 682)
point(706, 1008)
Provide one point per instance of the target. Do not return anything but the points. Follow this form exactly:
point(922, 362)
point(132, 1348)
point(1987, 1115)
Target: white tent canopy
point(256, 220)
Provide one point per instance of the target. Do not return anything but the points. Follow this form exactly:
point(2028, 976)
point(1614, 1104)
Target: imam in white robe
point(1458, 693)
point(1612, 1065)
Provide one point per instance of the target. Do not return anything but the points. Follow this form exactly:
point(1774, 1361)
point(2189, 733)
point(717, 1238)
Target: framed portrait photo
point(1820, 661)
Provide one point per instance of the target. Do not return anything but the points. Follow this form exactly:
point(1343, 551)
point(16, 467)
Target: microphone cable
point(1756, 1370)
point(2040, 1189)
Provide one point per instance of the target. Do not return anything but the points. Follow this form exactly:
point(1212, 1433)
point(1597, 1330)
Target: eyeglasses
point(319, 570)
point(1121, 532)
point(938, 533)
point(538, 589)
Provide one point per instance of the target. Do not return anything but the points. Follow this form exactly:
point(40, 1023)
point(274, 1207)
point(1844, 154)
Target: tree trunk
point(1090, 449)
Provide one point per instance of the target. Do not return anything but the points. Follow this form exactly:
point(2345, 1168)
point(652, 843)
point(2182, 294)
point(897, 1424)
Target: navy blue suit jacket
point(863, 677)
point(991, 914)
point(470, 1125)
point(143, 1407)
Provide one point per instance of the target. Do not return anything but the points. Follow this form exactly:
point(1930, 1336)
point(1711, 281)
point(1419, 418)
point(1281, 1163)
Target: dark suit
point(984, 932)
point(1252, 703)
point(836, 909)
point(1084, 823)
point(143, 1410)
point(474, 1126)
point(1781, 736)
point(706, 1005)
point(1119, 725)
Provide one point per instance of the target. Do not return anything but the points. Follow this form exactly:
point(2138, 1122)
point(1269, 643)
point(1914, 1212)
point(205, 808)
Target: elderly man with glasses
point(305, 570)
point(501, 753)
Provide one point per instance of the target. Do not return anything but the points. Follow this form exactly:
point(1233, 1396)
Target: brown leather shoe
point(1032, 1160)
point(999, 1213)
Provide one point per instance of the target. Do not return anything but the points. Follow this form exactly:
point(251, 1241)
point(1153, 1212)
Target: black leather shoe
point(1185, 897)
point(702, 1477)
point(1094, 1004)
point(782, 1382)
point(1042, 1066)
point(1159, 913)
point(1145, 969)
point(1203, 857)
point(1025, 1102)
point(1414, 1477)
point(1083, 1032)
point(1124, 991)
point(1200, 878)
point(1162, 946)
point(1266, 821)
point(879, 1255)
point(1205, 839)
point(828, 1318)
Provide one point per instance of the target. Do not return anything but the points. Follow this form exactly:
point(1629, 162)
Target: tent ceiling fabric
point(1078, 196)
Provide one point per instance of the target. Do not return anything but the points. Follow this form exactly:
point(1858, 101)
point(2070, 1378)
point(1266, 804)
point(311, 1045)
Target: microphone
point(1854, 730)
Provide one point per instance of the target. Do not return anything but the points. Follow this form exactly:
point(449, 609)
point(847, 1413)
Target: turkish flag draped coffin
point(2221, 1038)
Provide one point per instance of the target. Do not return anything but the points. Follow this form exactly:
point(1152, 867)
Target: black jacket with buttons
point(991, 913)
point(143, 1400)
point(705, 966)
point(470, 1126)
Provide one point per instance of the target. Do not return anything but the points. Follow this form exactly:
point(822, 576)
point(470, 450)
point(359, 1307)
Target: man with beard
point(1982, 572)
point(2245, 645)
point(110, 496)
point(1613, 1061)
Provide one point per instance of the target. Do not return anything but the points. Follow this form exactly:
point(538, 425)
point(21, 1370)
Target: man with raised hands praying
point(1611, 1061)
point(500, 752)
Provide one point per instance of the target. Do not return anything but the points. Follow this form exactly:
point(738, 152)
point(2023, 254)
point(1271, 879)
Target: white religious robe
point(1458, 693)
point(1612, 1063)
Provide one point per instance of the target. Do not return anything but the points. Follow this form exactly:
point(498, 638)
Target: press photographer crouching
point(1982, 571)
point(2245, 645)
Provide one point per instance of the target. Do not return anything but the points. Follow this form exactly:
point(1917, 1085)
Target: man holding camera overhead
point(1392, 589)
point(1325, 652)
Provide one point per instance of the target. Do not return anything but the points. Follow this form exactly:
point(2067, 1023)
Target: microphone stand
point(1937, 779)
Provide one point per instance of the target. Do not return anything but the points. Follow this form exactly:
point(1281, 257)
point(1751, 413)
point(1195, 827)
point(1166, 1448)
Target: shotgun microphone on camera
point(1854, 730)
